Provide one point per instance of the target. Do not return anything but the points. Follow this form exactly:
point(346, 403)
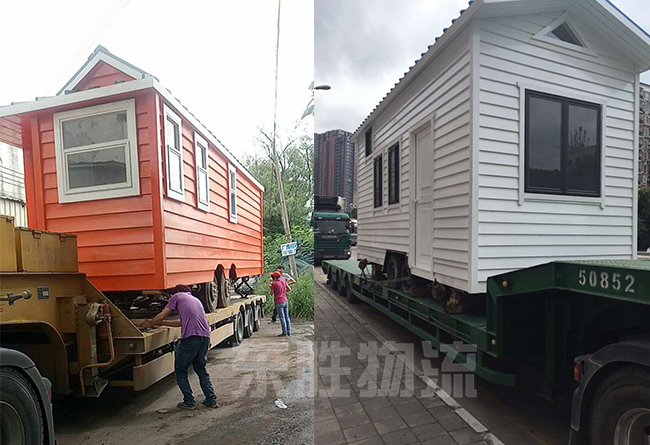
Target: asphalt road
point(248, 379)
point(517, 417)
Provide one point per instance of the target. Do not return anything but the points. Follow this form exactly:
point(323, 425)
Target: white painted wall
point(514, 231)
point(442, 87)
point(483, 223)
point(12, 184)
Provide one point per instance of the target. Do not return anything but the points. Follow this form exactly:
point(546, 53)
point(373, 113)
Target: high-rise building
point(644, 136)
point(335, 166)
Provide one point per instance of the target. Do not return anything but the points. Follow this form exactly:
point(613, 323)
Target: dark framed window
point(393, 174)
point(562, 146)
point(369, 142)
point(378, 182)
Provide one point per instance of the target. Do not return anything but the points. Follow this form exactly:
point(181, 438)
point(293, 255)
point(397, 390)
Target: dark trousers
point(193, 350)
point(274, 317)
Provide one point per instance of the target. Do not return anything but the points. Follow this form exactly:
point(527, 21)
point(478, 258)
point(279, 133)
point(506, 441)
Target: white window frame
point(107, 191)
point(232, 189)
point(171, 193)
point(571, 94)
point(566, 18)
point(200, 171)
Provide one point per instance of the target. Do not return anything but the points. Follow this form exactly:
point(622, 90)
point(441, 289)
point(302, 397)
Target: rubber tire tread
point(625, 388)
point(396, 261)
point(18, 391)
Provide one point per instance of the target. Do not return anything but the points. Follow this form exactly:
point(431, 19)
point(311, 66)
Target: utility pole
point(276, 163)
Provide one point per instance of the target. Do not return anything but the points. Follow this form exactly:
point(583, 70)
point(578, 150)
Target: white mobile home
point(512, 142)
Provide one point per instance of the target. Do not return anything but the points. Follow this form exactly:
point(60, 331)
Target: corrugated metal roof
point(462, 11)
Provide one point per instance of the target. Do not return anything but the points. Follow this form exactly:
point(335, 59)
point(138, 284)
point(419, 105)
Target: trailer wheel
point(329, 276)
point(258, 318)
point(209, 296)
point(352, 299)
point(394, 269)
point(406, 273)
point(21, 416)
point(620, 411)
point(238, 334)
point(342, 286)
point(333, 282)
point(223, 296)
point(248, 327)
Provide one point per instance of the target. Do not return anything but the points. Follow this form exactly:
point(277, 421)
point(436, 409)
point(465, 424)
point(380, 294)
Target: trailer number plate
point(606, 280)
point(43, 293)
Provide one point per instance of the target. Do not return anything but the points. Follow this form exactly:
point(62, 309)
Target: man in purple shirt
point(193, 347)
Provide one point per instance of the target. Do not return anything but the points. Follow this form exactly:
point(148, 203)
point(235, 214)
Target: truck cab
point(332, 229)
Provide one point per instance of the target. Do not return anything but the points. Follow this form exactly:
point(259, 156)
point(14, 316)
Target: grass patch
point(301, 297)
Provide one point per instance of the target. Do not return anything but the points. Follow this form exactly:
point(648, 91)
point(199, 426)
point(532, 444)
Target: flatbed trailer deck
point(535, 322)
point(75, 334)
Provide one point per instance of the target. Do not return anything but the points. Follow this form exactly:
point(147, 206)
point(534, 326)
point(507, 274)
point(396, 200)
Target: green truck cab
point(332, 229)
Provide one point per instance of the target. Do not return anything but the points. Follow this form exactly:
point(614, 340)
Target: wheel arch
point(52, 364)
point(600, 365)
point(390, 253)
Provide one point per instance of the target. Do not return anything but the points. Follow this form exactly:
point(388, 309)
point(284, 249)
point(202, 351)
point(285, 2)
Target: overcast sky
point(217, 57)
point(363, 47)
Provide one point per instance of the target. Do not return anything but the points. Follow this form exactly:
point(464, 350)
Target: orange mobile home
point(154, 198)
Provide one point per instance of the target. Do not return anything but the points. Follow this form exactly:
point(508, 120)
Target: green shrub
point(304, 236)
point(301, 297)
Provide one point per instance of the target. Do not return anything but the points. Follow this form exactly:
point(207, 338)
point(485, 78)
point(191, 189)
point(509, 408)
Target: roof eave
point(420, 64)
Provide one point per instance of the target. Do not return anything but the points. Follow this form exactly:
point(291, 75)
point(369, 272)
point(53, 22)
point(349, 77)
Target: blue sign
point(288, 249)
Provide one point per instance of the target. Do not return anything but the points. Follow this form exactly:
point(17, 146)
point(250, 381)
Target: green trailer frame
point(536, 321)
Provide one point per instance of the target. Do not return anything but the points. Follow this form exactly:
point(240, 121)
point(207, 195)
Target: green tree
point(643, 239)
point(295, 157)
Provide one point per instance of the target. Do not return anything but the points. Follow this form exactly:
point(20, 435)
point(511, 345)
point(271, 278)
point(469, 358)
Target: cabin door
point(422, 246)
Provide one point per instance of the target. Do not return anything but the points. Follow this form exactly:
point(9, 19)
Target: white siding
point(12, 184)
point(443, 88)
point(512, 234)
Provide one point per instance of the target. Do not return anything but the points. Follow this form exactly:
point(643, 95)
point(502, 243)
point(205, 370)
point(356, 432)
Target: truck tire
point(342, 287)
point(223, 296)
point(406, 273)
point(258, 318)
point(238, 328)
point(334, 284)
point(620, 411)
point(209, 296)
point(394, 269)
point(352, 299)
point(21, 416)
point(250, 321)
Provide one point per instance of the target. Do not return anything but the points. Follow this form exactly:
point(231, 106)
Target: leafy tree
point(295, 157)
point(643, 240)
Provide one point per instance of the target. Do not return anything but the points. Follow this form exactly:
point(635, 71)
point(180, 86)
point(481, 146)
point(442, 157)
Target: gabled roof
point(101, 54)
point(603, 15)
point(142, 80)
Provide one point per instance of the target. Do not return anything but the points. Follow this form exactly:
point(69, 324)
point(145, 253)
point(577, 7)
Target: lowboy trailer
point(76, 335)
point(545, 326)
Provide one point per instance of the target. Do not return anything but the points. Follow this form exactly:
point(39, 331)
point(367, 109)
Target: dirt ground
point(248, 379)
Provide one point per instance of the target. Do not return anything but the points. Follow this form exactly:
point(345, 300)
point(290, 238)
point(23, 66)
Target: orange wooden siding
point(115, 236)
point(102, 75)
point(196, 242)
point(10, 132)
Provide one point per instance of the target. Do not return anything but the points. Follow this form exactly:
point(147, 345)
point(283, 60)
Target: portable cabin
point(153, 196)
point(512, 141)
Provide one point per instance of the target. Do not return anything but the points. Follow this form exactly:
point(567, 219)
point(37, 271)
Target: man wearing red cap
point(279, 289)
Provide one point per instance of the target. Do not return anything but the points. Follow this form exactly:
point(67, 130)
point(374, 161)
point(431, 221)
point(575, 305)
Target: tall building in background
point(644, 136)
point(335, 166)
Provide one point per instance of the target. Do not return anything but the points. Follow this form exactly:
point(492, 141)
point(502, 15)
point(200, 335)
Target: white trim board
point(108, 59)
point(586, 47)
point(131, 187)
point(572, 94)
